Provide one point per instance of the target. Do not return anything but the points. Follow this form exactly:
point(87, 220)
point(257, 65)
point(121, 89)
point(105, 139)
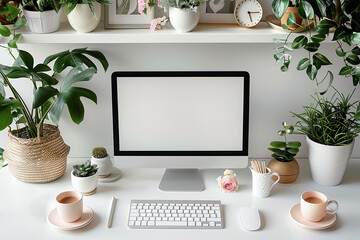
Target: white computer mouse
point(250, 218)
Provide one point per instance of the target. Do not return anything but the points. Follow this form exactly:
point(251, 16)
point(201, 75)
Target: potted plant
point(184, 15)
point(343, 17)
point(7, 10)
point(287, 12)
point(330, 126)
point(84, 178)
point(36, 151)
point(284, 152)
point(42, 16)
point(101, 158)
point(84, 15)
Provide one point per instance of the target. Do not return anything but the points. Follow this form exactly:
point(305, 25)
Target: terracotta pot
point(3, 16)
point(288, 171)
point(284, 18)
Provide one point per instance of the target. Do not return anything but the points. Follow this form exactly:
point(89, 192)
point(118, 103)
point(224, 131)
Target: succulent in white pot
point(101, 158)
point(84, 15)
point(84, 178)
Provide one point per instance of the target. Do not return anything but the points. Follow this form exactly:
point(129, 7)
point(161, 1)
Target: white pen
point(111, 213)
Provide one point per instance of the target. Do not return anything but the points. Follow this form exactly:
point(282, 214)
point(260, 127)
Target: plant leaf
point(4, 31)
point(311, 71)
point(43, 94)
point(279, 7)
point(305, 10)
point(278, 144)
point(346, 70)
point(303, 64)
point(299, 42)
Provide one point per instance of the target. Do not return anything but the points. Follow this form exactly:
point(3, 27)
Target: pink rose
point(228, 183)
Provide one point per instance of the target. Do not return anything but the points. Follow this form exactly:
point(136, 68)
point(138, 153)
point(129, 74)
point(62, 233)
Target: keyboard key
point(175, 223)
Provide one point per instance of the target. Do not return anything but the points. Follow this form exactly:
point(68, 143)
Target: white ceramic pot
point(328, 163)
point(184, 20)
point(81, 18)
point(85, 185)
point(43, 22)
point(104, 164)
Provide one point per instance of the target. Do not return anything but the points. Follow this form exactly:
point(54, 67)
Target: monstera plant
point(342, 18)
point(51, 93)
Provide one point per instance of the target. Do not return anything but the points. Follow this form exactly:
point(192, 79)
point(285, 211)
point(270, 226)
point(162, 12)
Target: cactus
point(99, 152)
point(85, 169)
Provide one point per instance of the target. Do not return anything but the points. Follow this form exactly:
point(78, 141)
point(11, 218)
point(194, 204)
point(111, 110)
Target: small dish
point(55, 221)
point(114, 175)
point(328, 221)
point(275, 23)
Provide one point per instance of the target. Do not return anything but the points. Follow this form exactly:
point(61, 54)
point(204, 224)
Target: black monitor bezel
point(116, 135)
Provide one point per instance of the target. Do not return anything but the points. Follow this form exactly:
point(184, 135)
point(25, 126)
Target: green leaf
point(2, 93)
point(340, 33)
point(27, 59)
point(299, 42)
point(318, 57)
point(4, 31)
point(5, 117)
point(293, 150)
point(326, 23)
point(322, 7)
point(276, 41)
point(54, 56)
point(284, 27)
point(312, 46)
point(42, 94)
point(291, 19)
point(318, 38)
point(18, 73)
point(356, 50)
point(13, 12)
point(13, 42)
point(279, 7)
point(311, 71)
point(42, 68)
point(20, 22)
point(293, 144)
point(305, 10)
point(331, 79)
point(278, 144)
point(340, 52)
point(72, 78)
point(46, 79)
point(303, 64)
point(95, 54)
point(321, 30)
point(346, 70)
point(353, 59)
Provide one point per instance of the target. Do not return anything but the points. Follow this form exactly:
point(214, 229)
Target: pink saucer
point(55, 220)
point(328, 221)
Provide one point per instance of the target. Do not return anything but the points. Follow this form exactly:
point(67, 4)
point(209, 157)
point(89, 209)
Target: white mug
point(262, 182)
point(315, 205)
point(69, 206)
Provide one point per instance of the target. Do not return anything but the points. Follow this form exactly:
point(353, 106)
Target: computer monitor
point(181, 121)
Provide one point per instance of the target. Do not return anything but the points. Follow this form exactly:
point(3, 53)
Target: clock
point(248, 13)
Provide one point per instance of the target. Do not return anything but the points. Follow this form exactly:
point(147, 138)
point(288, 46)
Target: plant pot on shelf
point(288, 171)
point(3, 17)
point(43, 22)
point(37, 160)
point(85, 185)
point(184, 20)
point(328, 163)
point(82, 20)
point(284, 18)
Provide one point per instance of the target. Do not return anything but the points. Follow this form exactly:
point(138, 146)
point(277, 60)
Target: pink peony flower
point(228, 183)
point(159, 3)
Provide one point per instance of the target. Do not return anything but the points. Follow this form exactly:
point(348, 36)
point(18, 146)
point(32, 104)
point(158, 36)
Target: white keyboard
point(175, 214)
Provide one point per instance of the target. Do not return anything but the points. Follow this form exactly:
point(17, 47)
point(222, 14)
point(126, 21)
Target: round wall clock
point(248, 13)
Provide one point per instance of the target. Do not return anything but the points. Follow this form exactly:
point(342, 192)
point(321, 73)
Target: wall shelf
point(204, 33)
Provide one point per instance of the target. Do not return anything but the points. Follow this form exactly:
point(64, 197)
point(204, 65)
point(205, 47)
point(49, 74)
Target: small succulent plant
point(99, 152)
point(285, 151)
point(85, 169)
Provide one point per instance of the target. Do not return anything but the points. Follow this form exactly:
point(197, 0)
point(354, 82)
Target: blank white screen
point(180, 113)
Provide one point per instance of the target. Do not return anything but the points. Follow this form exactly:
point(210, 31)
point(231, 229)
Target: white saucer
point(55, 220)
point(114, 175)
point(328, 221)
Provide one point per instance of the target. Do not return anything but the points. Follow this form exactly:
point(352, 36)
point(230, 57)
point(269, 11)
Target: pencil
point(111, 213)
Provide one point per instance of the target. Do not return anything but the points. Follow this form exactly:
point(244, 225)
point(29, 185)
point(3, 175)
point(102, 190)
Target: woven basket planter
point(37, 160)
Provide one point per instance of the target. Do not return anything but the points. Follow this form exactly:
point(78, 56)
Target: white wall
point(273, 94)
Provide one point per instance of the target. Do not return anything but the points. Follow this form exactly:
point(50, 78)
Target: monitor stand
point(182, 180)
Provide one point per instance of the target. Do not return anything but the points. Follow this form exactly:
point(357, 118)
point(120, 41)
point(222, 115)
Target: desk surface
point(24, 207)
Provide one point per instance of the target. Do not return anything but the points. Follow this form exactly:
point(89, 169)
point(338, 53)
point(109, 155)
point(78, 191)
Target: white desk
point(24, 207)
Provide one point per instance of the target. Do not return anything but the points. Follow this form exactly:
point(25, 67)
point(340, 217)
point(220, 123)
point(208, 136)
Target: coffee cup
point(69, 206)
point(315, 205)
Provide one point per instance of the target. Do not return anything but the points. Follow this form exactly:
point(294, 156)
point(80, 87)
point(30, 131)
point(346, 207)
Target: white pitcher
point(262, 182)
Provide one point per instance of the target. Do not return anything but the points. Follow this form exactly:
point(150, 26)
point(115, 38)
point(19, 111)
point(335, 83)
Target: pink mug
point(315, 205)
point(70, 206)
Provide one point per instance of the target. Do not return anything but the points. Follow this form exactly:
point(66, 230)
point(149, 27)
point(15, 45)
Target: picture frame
point(218, 11)
point(117, 16)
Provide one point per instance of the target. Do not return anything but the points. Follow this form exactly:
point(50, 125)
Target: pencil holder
point(262, 182)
